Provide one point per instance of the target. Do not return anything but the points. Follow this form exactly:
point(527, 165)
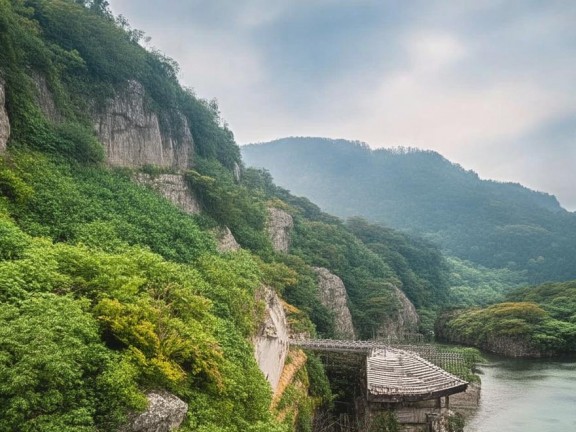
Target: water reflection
point(526, 396)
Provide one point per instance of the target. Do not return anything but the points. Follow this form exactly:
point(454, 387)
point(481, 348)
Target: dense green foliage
point(496, 225)
point(474, 285)
point(133, 320)
point(93, 206)
point(543, 317)
point(418, 264)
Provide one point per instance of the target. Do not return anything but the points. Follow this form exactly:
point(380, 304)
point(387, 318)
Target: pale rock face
point(226, 241)
point(279, 226)
point(165, 413)
point(271, 343)
point(333, 296)
point(45, 99)
point(132, 137)
point(173, 187)
point(404, 322)
point(4, 121)
point(237, 172)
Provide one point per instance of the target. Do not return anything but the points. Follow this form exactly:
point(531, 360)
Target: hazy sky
point(490, 84)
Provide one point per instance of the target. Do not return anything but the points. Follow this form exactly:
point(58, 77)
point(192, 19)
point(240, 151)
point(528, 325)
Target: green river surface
point(526, 396)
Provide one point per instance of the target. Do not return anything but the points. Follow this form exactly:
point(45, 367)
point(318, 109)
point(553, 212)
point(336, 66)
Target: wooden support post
point(447, 402)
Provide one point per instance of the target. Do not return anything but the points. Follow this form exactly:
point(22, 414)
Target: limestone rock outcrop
point(403, 322)
point(165, 413)
point(173, 187)
point(333, 295)
point(271, 342)
point(279, 226)
point(4, 121)
point(45, 99)
point(226, 240)
point(132, 137)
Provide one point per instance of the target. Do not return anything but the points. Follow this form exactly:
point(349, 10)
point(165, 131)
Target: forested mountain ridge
point(109, 291)
point(493, 224)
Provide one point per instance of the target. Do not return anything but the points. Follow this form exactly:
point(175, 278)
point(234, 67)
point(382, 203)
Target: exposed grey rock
point(279, 226)
point(172, 187)
point(45, 99)
point(512, 346)
point(333, 295)
point(4, 121)
point(271, 342)
point(237, 172)
point(226, 240)
point(131, 134)
point(403, 322)
point(466, 402)
point(165, 413)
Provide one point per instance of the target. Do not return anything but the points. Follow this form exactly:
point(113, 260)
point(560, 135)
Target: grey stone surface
point(4, 121)
point(279, 226)
point(45, 99)
point(165, 413)
point(172, 187)
point(226, 240)
point(401, 323)
point(271, 342)
point(131, 134)
point(333, 295)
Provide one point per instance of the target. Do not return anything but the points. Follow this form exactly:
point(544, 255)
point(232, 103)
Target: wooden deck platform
point(394, 375)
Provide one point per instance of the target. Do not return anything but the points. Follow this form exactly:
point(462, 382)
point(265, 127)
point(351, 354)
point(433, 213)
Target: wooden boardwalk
point(393, 375)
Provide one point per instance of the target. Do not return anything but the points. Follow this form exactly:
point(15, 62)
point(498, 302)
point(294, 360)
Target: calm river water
point(526, 396)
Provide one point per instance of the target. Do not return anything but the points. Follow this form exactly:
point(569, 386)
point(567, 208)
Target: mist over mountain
point(490, 223)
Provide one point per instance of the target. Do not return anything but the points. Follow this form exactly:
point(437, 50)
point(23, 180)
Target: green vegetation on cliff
point(178, 318)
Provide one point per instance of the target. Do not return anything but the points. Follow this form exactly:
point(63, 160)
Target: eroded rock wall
point(403, 322)
point(4, 121)
point(132, 137)
point(333, 295)
point(173, 187)
point(45, 99)
point(279, 226)
point(271, 342)
point(226, 240)
point(165, 413)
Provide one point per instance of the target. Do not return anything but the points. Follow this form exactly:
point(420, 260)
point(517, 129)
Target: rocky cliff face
point(333, 295)
point(45, 99)
point(226, 240)
point(4, 122)
point(131, 134)
point(279, 226)
point(173, 187)
point(271, 342)
point(519, 346)
point(401, 323)
point(165, 413)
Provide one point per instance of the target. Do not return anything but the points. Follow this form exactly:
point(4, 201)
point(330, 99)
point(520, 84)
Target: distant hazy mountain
point(494, 224)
